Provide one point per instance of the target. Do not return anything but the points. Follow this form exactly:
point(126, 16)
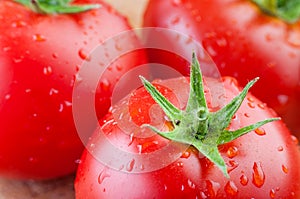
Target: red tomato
point(119, 160)
point(244, 42)
point(40, 56)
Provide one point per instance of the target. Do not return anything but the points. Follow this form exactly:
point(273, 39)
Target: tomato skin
point(40, 56)
point(260, 164)
point(243, 42)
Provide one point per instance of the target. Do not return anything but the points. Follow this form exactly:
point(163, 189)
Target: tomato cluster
point(183, 137)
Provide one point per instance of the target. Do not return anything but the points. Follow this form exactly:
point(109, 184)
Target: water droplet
point(38, 38)
point(61, 108)
point(294, 139)
point(258, 175)
point(191, 184)
point(185, 154)
point(47, 70)
point(103, 175)
point(231, 189)
point(83, 54)
point(182, 187)
point(272, 193)
point(251, 105)
point(261, 105)
point(246, 115)
point(165, 187)
point(105, 84)
point(118, 47)
point(211, 188)
point(260, 131)
point(78, 161)
point(244, 180)
point(130, 165)
point(285, 169)
point(33, 160)
point(53, 91)
point(140, 148)
point(232, 151)
point(180, 164)
point(280, 148)
point(232, 165)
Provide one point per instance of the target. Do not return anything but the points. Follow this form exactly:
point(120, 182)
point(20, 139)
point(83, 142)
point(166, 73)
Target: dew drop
point(294, 139)
point(211, 188)
point(260, 131)
point(119, 67)
point(246, 115)
point(261, 106)
point(38, 38)
point(191, 184)
point(251, 105)
point(272, 193)
point(232, 165)
point(244, 180)
point(118, 47)
point(130, 165)
point(78, 161)
point(53, 91)
point(103, 175)
point(105, 85)
point(83, 54)
point(185, 154)
point(258, 175)
point(285, 169)
point(47, 70)
point(232, 151)
point(33, 160)
point(280, 148)
point(231, 189)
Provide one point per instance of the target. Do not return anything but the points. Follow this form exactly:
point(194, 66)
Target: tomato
point(243, 41)
point(40, 56)
point(123, 160)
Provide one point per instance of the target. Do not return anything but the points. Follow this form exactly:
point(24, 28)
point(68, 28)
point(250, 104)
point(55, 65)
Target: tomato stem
point(198, 127)
point(56, 6)
point(287, 10)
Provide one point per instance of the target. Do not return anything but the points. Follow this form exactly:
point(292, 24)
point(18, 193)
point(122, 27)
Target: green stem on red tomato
point(198, 127)
point(287, 10)
point(56, 6)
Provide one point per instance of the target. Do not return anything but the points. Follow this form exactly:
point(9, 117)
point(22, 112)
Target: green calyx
point(287, 10)
point(198, 127)
point(56, 6)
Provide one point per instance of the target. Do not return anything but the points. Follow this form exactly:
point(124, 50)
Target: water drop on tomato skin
point(130, 165)
point(38, 38)
point(176, 2)
point(231, 189)
point(232, 152)
point(102, 176)
point(244, 180)
point(284, 169)
point(272, 193)
point(258, 175)
point(186, 154)
point(260, 131)
point(83, 54)
point(47, 70)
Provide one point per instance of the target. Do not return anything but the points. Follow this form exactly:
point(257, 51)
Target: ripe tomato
point(40, 56)
point(244, 42)
point(126, 162)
